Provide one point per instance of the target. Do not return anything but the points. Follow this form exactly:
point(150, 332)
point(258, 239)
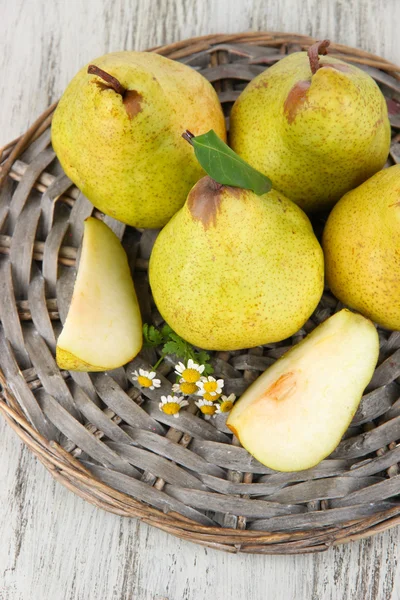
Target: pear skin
point(118, 136)
point(233, 270)
point(361, 241)
point(103, 328)
point(295, 414)
point(316, 136)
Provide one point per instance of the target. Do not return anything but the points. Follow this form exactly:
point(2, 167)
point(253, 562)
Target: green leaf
point(223, 164)
point(152, 337)
point(208, 370)
point(172, 348)
point(172, 343)
point(166, 331)
point(202, 357)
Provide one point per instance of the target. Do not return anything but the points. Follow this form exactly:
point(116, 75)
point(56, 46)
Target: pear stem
point(314, 51)
point(188, 136)
point(109, 79)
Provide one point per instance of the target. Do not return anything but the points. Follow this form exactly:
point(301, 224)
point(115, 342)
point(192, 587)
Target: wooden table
point(54, 546)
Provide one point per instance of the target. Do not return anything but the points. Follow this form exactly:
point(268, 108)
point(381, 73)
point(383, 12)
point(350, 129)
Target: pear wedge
point(103, 329)
point(294, 415)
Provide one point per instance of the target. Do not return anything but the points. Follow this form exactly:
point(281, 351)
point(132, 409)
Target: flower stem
point(158, 362)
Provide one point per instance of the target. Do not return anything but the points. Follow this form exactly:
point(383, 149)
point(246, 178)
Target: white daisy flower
point(184, 387)
point(210, 388)
point(207, 407)
point(225, 404)
point(171, 405)
point(191, 372)
point(146, 379)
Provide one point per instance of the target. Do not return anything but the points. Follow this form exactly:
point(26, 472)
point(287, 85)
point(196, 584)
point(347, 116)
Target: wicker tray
point(106, 440)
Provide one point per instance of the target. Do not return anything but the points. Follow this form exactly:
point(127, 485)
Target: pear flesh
point(362, 248)
point(103, 328)
point(234, 270)
point(316, 136)
point(117, 134)
point(294, 415)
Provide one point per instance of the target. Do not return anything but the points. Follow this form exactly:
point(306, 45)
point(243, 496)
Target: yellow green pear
point(316, 126)
point(117, 133)
point(103, 328)
point(234, 270)
point(295, 414)
point(361, 241)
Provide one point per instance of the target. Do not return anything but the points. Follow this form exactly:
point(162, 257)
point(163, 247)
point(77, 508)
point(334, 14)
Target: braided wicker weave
point(105, 439)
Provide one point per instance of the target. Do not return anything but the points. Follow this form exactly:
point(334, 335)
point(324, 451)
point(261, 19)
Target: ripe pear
point(234, 270)
point(117, 133)
point(294, 415)
point(103, 328)
point(362, 248)
point(318, 127)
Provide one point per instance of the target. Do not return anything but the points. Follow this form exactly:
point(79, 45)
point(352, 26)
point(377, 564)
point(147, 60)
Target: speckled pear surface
point(316, 136)
point(126, 152)
point(362, 248)
point(234, 270)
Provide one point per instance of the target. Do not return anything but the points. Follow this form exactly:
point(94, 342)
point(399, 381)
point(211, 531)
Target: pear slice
point(103, 329)
point(295, 413)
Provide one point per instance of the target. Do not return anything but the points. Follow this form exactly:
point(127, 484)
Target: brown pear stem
point(314, 51)
point(188, 136)
point(107, 78)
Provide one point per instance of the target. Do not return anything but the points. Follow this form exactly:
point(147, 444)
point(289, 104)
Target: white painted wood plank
point(53, 544)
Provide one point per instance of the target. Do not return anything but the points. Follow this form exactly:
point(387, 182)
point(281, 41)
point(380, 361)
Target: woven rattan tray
point(105, 439)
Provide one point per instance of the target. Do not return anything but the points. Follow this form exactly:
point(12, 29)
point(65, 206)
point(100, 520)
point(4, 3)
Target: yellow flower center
point(210, 386)
point(226, 406)
point(171, 408)
point(191, 375)
point(213, 398)
point(144, 381)
point(208, 410)
point(188, 388)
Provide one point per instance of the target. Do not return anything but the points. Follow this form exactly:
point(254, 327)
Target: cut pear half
point(103, 328)
point(295, 414)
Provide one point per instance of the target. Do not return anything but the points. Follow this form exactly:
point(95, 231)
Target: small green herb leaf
point(172, 348)
point(223, 164)
point(152, 337)
point(202, 357)
point(208, 370)
point(171, 343)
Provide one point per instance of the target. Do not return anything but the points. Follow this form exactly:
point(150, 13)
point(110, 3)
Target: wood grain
point(53, 544)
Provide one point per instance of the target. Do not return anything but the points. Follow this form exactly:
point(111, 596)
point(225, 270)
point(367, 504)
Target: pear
point(294, 415)
point(117, 133)
point(362, 248)
point(103, 328)
point(318, 127)
point(234, 270)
